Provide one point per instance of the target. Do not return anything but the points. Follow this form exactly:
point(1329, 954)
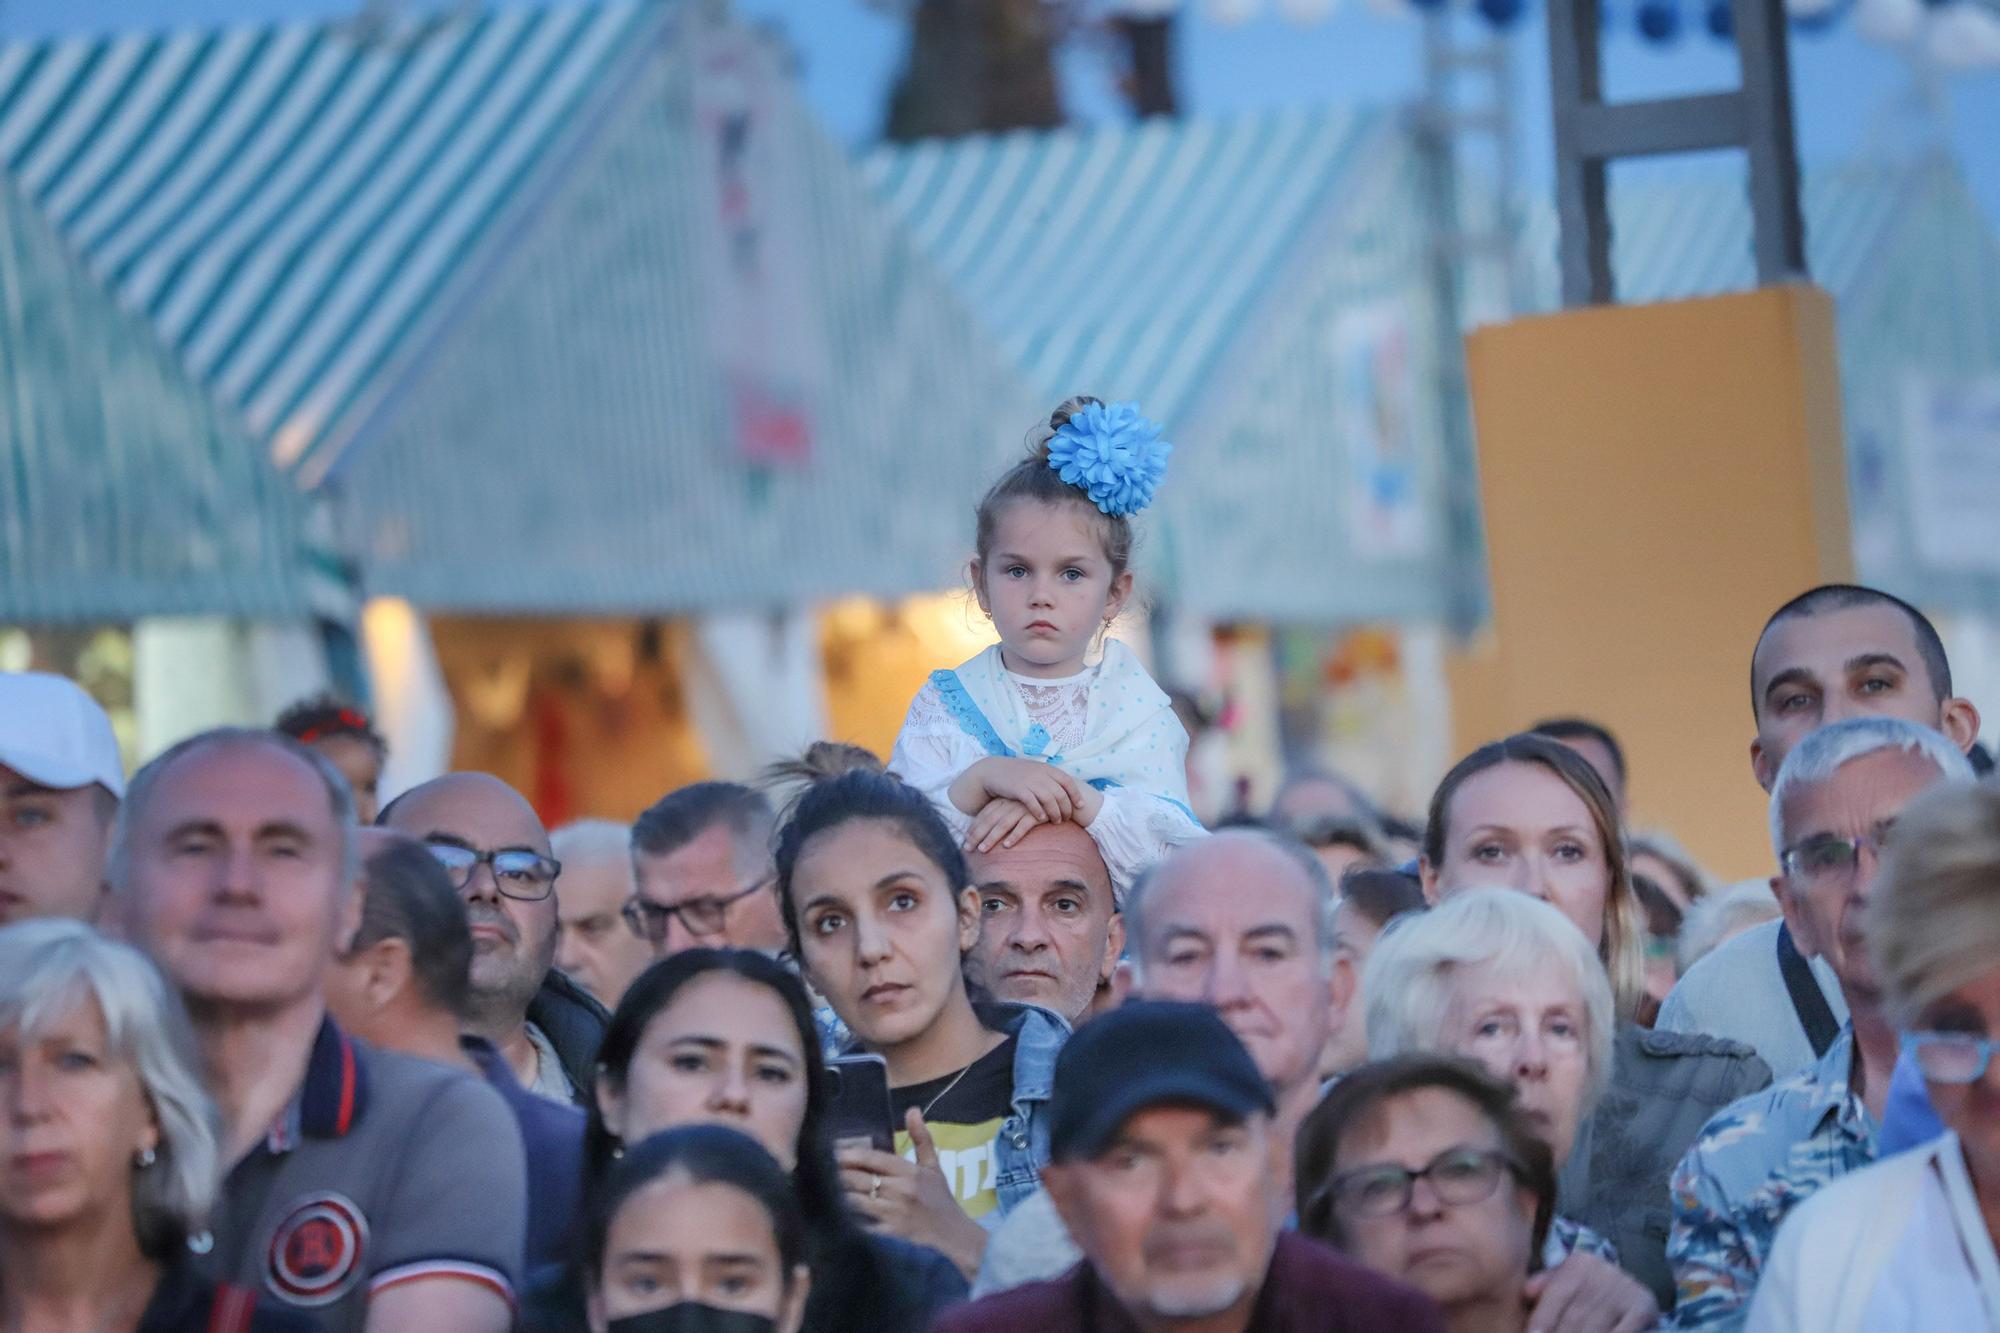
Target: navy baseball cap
point(1146, 1053)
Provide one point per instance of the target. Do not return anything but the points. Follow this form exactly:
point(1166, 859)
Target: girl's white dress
point(1109, 726)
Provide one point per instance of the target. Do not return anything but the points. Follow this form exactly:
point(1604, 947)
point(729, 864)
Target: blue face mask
point(694, 1317)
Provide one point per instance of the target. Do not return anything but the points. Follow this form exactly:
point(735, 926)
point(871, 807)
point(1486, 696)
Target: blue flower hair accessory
point(1113, 455)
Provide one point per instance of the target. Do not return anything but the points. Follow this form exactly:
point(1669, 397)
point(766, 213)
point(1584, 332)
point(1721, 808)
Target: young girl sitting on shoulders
point(1029, 732)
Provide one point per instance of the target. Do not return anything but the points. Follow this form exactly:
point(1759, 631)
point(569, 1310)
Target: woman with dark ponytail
point(878, 904)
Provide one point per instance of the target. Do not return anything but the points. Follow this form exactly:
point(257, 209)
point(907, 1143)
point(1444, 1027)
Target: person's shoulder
point(1367, 1298)
point(1047, 1307)
point(1657, 1044)
point(1753, 951)
point(408, 1095)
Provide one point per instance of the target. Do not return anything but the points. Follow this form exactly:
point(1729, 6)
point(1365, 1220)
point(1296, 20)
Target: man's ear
point(1341, 985)
point(1114, 947)
point(1766, 773)
point(1796, 920)
point(1959, 720)
point(387, 968)
point(968, 919)
point(1059, 1179)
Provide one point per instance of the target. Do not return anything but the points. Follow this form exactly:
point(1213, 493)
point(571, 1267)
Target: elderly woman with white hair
point(1909, 1243)
point(108, 1154)
point(1508, 981)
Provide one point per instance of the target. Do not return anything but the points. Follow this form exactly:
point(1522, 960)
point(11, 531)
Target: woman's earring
point(145, 1158)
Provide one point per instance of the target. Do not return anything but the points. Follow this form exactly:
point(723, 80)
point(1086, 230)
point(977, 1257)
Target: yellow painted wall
point(1656, 481)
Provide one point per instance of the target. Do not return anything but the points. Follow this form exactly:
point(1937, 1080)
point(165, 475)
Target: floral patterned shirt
point(1753, 1163)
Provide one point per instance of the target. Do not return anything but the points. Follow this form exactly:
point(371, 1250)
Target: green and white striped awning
point(1125, 261)
point(291, 205)
point(124, 490)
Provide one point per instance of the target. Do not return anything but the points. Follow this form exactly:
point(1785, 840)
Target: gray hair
point(589, 842)
point(1319, 884)
point(46, 968)
point(1407, 987)
point(139, 793)
point(1824, 752)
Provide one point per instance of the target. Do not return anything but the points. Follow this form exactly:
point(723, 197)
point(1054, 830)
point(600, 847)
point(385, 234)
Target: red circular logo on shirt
point(316, 1251)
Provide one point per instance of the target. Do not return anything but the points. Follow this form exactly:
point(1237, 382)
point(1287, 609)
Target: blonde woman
point(1530, 815)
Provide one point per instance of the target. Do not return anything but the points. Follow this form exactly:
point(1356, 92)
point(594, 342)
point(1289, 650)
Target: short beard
point(496, 1012)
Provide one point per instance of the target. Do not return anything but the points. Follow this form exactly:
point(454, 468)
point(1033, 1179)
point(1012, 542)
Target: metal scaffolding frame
point(1592, 133)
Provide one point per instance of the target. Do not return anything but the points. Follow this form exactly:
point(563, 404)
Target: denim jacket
point(1023, 1147)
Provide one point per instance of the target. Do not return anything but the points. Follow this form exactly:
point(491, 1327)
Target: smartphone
point(858, 1104)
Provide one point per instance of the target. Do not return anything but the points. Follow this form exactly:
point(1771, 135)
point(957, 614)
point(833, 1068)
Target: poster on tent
point(755, 249)
point(1375, 387)
point(1951, 440)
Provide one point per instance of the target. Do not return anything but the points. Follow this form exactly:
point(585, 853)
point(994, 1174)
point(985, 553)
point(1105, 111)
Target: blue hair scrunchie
point(1111, 454)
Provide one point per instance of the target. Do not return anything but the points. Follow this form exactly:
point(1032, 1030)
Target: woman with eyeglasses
point(724, 1037)
point(1424, 1168)
point(1909, 1243)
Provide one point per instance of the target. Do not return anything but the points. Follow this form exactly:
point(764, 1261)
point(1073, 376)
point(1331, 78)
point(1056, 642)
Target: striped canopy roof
point(1125, 260)
point(124, 490)
point(289, 204)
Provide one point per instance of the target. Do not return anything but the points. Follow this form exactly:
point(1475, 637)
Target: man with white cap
point(60, 784)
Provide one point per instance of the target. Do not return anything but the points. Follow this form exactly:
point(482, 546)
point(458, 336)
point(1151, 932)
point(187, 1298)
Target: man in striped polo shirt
point(374, 1190)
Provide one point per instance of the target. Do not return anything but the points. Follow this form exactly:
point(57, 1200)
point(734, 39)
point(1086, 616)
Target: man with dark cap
point(1161, 1143)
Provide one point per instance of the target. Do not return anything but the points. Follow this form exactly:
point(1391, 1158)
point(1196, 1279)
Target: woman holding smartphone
point(725, 1036)
point(875, 896)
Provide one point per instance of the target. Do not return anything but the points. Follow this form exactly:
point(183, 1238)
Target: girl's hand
point(1049, 794)
point(999, 823)
point(911, 1200)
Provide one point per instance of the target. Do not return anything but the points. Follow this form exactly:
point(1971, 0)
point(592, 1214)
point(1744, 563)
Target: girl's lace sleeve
point(1135, 829)
point(931, 751)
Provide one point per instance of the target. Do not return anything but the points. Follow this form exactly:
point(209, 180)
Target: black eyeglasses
point(518, 872)
point(1827, 858)
point(1457, 1175)
point(700, 916)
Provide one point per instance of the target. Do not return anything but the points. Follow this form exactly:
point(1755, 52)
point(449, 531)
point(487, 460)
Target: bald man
point(496, 852)
point(1049, 929)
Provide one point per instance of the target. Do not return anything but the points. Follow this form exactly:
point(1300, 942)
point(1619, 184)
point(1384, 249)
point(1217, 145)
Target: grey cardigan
point(1664, 1087)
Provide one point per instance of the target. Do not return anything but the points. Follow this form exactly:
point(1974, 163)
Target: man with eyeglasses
point(1161, 1135)
point(1834, 652)
point(1833, 807)
point(701, 858)
point(496, 852)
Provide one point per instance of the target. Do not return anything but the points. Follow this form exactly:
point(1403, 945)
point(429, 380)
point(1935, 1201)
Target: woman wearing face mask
point(725, 1036)
point(1529, 814)
point(696, 1230)
point(880, 909)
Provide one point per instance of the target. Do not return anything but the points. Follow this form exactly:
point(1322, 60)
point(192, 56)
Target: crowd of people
point(993, 1034)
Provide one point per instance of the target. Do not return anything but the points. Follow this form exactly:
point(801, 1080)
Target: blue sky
point(1843, 84)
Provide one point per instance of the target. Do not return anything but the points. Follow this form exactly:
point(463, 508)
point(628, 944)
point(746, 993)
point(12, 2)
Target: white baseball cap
point(52, 733)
